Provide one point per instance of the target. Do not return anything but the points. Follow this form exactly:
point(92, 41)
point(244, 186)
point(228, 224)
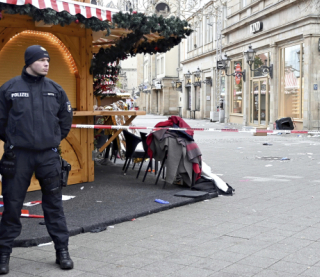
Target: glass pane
point(255, 88)
point(263, 102)
point(291, 79)
point(259, 60)
point(237, 90)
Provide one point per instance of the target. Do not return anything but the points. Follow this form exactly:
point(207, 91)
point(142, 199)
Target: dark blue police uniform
point(35, 115)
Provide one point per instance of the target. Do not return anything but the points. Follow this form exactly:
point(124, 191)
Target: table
point(132, 113)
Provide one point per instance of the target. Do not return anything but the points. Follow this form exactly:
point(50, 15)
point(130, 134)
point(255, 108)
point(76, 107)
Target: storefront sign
point(238, 76)
point(256, 27)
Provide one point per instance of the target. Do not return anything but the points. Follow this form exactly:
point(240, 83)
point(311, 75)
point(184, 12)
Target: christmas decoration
point(104, 84)
point(170, 30)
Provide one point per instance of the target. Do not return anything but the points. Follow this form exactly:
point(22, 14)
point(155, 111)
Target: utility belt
point(8, 167)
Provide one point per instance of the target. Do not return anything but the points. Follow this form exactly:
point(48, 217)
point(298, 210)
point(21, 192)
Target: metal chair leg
point(145, 174)
point(125, 164)
point(125, 172)
point(144, 156)
point(162, 163)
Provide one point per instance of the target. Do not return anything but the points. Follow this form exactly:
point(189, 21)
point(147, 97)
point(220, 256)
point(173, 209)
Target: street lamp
point(250, 56)
point(224, 65)
point(188, 74)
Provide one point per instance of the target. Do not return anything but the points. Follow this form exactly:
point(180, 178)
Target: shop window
point(237, 90)
point(259, 60)
point(292, 81)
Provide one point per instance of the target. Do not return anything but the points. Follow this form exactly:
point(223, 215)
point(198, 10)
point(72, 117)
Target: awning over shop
point(72, 7)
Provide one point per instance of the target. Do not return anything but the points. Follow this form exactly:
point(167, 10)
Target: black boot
point(4, 263)
point(63, 259)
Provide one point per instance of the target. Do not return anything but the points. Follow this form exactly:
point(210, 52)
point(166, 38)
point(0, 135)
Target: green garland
point(50, 16)
point(172, 29)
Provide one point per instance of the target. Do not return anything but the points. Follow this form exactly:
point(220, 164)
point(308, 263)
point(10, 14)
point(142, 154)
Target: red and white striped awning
point(72, 7)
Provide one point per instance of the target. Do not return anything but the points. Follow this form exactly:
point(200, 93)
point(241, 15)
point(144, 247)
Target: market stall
point(72, 32)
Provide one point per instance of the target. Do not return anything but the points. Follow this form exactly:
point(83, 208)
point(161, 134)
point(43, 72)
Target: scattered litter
point(309, 153)
point(299, 136)
point(32, 203)
point(161, 201)
point(67, 197)
point(112, 227)
point(133, 219)
point(285, 159)
point(99, 201)
point(82, 188)
point(268, 165)
point(44, 244)
point(266, 143)
point(98, 229)
point(42, 223)
point(219, 174)
point(206, 200)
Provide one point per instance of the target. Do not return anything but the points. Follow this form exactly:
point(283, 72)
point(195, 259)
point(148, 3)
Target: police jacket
point(35, 112)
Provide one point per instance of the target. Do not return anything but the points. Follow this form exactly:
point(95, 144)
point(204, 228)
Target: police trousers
point(46, 166)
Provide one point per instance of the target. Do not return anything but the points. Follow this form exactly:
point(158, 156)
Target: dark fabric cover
point(204, 184)
point(190, 193)
point(284, 123)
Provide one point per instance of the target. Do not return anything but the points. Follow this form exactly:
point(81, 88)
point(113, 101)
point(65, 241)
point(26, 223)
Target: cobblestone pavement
point(269, 227)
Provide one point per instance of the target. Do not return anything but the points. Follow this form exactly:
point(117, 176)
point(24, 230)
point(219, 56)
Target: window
point(243, 3)
point(199, 39)
point(162, 65)
point(209, 29)
point(292, 81)
point(237, 90)
point(158, 66)
point(259, 60)
point(145, 72)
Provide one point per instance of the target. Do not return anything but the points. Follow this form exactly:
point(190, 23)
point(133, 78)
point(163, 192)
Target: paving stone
point(113, 270)
point(189, 271)
point(246, 270)
point(289, 267)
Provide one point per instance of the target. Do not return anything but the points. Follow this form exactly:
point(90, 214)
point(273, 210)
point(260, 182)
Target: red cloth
point(175, 120)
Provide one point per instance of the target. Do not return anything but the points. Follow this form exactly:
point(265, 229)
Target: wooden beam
point(90, 140)
point(111, 113)
point(116, 133)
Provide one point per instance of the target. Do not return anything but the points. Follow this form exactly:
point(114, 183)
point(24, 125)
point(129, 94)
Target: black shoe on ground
point(63, 259)
point(4, 263)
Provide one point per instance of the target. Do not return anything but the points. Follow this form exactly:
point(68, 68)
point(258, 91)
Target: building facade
point(285, 35)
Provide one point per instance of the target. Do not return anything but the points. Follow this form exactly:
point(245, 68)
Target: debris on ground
point(160, 201)
point(67, 197)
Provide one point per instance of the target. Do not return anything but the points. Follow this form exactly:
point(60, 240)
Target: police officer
point(35, 115)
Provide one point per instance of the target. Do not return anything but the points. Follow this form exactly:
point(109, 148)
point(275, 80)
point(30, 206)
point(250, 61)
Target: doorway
point(260, 102)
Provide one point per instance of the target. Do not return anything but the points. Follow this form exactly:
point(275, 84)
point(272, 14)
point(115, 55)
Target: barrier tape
point(117, 127)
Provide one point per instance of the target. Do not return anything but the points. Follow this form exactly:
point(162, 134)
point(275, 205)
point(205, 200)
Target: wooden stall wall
point(70, 70)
